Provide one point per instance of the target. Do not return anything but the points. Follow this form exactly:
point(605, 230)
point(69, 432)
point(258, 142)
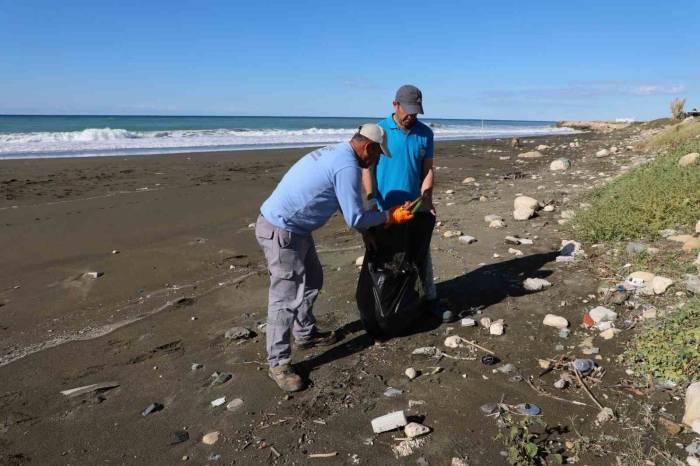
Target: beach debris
point(407, 447)
point(93, 275)
point(392, 392)
point(196, 366)
point(506, 368)
point(602, 314)
point(411, 373)
point(485, 322)
point(179, 436)
point(536, 284)
point(552, 320)
point(152, 408)
point(359, 261)
point(330, 454)
point(691, 416)
point(560, 164)
point(527, 409)
point(548, 208)
point(497, 328)
point(490, 408)
point(218, 402)
point(468, 180)
point(533, 154)
point(467, 322)
point(489, 360)
point(238, 333)
point(427, 351)
point(609, 333)
point(466, 239)
point(414, 429)
point(389, 422)
point(602, 153)
point(221, 378)
point(570, 251)
point(492, 217)
point(583, 366)
point(515, 252)
point(605, 415)
point(211, 438)
point(452, 233)
point(102, 386)
point(234, 405)
point(688, 159)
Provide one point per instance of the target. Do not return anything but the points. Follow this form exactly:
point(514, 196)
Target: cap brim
point(412, 108)
point(385, 150)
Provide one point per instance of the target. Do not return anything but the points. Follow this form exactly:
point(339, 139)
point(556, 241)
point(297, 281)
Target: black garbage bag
point(389, 291)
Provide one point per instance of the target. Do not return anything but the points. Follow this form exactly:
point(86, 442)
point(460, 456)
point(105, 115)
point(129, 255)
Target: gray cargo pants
point(296, 277)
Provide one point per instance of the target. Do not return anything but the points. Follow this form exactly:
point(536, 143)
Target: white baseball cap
point(375, 133)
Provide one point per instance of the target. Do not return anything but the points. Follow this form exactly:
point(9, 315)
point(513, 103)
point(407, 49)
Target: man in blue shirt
point(408, 174)
point(313, 189)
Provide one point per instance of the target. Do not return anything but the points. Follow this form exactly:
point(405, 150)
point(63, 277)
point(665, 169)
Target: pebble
point(391, 392)
point(234, 405)
point(536, 284)
point(221, 378)
point(414, 429)
point(211, 438)
point(196, 366)
point(584, 366)
point(548, 208)
point(552, 320)
point(468, 180)
point(497, 328)
point(238, 333)
point(411, 373)
point(466, 239)
point(561, 384)
point(152, 408)
point(609, 333)
point(452, 233)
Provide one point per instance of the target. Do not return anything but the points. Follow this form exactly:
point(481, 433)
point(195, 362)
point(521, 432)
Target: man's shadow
point(480, 288)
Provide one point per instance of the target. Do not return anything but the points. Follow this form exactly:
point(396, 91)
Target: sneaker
point(436, 308)
point(317, 339)
point(285, 378)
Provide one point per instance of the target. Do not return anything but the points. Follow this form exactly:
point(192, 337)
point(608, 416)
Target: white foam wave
point(108, 141)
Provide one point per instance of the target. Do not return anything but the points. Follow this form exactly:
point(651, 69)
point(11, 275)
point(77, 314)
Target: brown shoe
point(285, 378)
point(317, 339)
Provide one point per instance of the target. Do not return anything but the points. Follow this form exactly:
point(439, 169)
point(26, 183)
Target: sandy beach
point(178, 265)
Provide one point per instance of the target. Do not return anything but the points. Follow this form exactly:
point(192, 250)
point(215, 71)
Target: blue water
point(23, 136)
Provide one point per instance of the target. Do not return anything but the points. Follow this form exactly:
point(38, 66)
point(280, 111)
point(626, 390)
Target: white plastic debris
point(389, 422)
point(691, 417)
point(218, 401)
point(468, 322)
point(536, 284)
point(497, 328)
point(602, 314)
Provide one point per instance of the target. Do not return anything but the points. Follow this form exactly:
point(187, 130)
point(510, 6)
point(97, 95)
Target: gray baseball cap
point(410, 98)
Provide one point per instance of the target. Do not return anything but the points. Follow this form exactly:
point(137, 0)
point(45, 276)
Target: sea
point(48, 136)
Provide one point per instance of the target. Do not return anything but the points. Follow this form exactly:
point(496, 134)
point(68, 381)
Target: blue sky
point(509, 60)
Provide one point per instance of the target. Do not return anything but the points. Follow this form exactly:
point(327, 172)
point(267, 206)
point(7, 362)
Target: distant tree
point(677, 108)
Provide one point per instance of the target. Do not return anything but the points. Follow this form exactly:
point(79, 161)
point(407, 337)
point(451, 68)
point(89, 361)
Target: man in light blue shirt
point(408, 174)
point(318, 185)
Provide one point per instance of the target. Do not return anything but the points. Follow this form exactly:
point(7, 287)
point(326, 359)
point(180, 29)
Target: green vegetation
point(649, 198)
point(674, 136)
point(522, 445)
point(669, 349)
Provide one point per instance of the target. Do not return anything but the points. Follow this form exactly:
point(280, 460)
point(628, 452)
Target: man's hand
point(400, 214)
point(427, 196)
point(370, 241)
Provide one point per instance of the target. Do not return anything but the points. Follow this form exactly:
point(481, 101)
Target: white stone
point(485, 322)
point(389, 422)
point(531, 155)
point(552, 320)
point(688, 159)
point(453, 341)
point(560, 165)
point(211, 438)
point(602, 153)
point(411, 373)
point(691, 417)
point(468, 180)
point(542, 147)
point(525, 202)
point(497, 328)
point(491, 217)
point(497, 224)
point(458, 462)
point(466, 239)
point(609, 333)
point(359, 260)
point(536, 284)
point(523, 214)
point(235, 404)
point(548, 208)
point(661, 284)
point(602, 314)
point(515, 252)
point(413, 429)
point(452, 233)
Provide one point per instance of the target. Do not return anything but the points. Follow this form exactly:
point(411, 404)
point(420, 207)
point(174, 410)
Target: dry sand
point(188, 268)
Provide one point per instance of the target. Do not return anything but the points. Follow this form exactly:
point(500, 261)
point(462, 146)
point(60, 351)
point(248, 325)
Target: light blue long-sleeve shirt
point(316, 186)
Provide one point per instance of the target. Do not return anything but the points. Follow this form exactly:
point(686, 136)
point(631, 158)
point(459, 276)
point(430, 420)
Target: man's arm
point(369, 188)
point(348, 184)
point(428, 177)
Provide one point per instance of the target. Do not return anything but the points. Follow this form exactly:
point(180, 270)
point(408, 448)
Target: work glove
point(399, 214)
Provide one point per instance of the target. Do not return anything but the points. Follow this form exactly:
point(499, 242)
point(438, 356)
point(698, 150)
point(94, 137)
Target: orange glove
point(399, 214)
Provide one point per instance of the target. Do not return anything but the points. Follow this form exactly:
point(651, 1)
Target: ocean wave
point(109, 141)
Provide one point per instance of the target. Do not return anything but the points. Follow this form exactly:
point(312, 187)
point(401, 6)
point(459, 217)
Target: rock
point(211, 438)
point(671, 427)
point(602, 314)
point(466, 239)
point(584, 366)
point(523, 214)
point(413, 429)
point(527, 409)
point(497, 224)
point(152, 408)
point(692, 284)
point(238, 333)
point(234, 405)
point(453, 341)
point(572, 249)
point(491, 217)
point(426, 351)
point(536, 284)
point(389, 422)
point(218, 402)
point(497, 328)
point(468, 180)
point(392, 392)
point(605, 415)
point(548, 208)
point(359, 261)
point(602, 153)
point(531, 155)
point(690, 242)
point(450, 191)
point(525, 202)
point(452, 233)
point(179, 436)
point(411, 373)
point(551, 320)
point(467, 322)
point(561, 384)
point(196, 366)
point(222, 378)
point(614, 150)
point(688, 159)
point(691, 416)
point(660, 284)
point(516, 252)
point(506, 368)
point(560, 165)
point(693, 461)
point(512, 240)
point(542, 147)
point(609, 333)
point(485, 322)
point(93, 275)
point(693, 448)
point(458, 462)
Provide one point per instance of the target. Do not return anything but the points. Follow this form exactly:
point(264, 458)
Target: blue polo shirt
point(399, 177)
